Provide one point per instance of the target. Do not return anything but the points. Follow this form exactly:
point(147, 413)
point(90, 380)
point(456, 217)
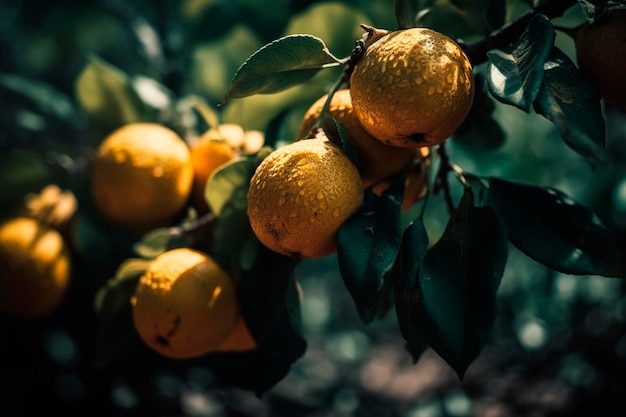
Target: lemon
point(185, 305)
point(300, 195)
point(377, 160)
point(207, 155)
point(141, 176)
point(36, 266)
point(412, 88)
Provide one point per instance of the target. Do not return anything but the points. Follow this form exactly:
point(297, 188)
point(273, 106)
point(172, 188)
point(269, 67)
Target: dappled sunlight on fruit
point(184, 305)
point(412, 88)
point(300, 195)
point(141, 176)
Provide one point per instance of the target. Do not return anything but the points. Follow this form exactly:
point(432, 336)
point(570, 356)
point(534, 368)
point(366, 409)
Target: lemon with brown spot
point(377, 160)
point(36, 268)
point(300, 195)
point(185, 305)
point(141, 176)
point(412, 87)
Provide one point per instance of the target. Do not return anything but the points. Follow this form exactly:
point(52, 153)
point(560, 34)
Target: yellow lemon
point(377, 160)
point(35, 268)
point(412, 88)
point(142, 176)
point(185, 305)
point(300, 195)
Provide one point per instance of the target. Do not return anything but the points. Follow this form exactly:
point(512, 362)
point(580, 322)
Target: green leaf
point(569, 101)
point(116, 292)
point(407, 271)
point(554, 230)
point(106, 94)
point(153, 243)
point(235, 244)
point(462, 273)
point(281, 64)
point(514, 75)
point(268, 297)
point(118, 345)
point(229, 183)
point(480, 131)
point(367, 245)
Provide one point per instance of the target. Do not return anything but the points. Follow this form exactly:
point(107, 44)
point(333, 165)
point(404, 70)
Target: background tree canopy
point(525, 224)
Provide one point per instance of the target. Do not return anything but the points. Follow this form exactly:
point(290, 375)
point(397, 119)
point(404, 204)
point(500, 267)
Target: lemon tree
point(420, 157)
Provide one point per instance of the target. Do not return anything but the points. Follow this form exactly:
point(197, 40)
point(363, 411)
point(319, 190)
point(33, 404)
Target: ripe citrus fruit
point(601, 55)
point(207, 154)
point(239, 339)
point(377, 160)
point(142, 176)
point(412, 88)
point(300, 195)
point(415, 182)
point(35, 270)
point(185, 304)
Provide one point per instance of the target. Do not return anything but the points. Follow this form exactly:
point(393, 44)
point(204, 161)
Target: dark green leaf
point(346, 144)
point(554, 230)
point(407, 271)
point(480, 131)
point(116, 293)
point(267, 299)
point(462, 273)
point(367, 245)
point(514, 75)
point(283, 63)
point(235, 245)
point(118, 345)
point(569, 101)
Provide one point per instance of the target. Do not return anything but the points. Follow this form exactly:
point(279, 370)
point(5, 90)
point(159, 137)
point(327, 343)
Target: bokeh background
point(559, 344)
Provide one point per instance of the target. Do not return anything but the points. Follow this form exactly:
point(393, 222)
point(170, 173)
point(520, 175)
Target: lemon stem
point(370, 36)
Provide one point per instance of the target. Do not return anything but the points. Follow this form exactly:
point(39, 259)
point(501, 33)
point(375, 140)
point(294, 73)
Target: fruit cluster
point(409, 91)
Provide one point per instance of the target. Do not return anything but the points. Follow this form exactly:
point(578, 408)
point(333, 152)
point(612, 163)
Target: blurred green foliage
point(556, 333)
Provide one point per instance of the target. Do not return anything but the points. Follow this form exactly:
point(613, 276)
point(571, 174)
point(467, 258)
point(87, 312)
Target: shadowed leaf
point(569, 101)
point(554, 230)
point(367, 245)
point(462, 273)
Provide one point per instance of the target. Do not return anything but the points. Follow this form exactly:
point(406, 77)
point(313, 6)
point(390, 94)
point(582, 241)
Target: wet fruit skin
point(601, 55)
point(377, 160)
point(300, 195)
point(412, 88)
point(35, 268)
point(184, 305)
